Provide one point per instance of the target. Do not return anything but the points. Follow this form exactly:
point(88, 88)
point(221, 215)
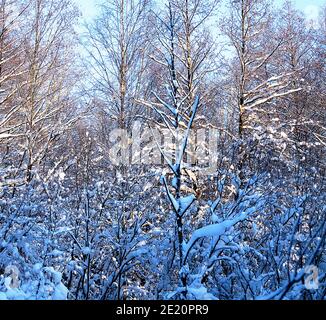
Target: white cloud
point(312, 13)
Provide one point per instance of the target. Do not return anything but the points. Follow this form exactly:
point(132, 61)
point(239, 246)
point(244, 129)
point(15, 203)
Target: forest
point(162, 150)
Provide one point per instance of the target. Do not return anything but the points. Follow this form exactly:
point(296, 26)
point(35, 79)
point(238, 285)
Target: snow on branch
point(213, 230)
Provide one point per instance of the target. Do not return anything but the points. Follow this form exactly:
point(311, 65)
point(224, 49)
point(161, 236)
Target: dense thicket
point(167, 150)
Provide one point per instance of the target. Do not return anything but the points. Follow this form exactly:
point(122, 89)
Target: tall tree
point(117, 48)
point(247, 25)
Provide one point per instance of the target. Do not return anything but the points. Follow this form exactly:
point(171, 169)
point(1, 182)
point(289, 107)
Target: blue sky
point(310, 7)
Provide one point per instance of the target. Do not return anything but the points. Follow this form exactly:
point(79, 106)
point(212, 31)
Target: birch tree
point(257, 84)
point(117, 49)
